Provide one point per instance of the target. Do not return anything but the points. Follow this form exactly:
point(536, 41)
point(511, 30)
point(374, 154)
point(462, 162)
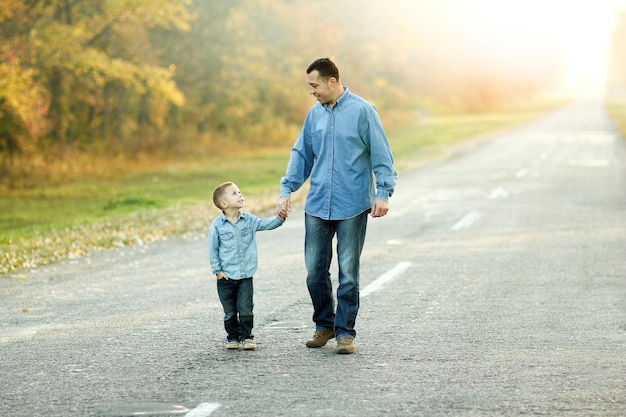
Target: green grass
point(47, 224)
point(28, 212)
point(435, 137)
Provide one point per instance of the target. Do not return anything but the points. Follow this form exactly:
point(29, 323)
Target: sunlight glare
point(505, 32)
point(580, 29)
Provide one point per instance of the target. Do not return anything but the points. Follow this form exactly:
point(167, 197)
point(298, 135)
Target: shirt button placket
point(331, 158)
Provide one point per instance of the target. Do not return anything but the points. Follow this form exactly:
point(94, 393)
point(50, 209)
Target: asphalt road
point(496, 286)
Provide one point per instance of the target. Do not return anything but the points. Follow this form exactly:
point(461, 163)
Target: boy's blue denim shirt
point(340, 148)
point(232, 247)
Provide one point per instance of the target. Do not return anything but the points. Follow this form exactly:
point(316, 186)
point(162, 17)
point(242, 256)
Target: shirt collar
point(225, 219)
point(340, 100)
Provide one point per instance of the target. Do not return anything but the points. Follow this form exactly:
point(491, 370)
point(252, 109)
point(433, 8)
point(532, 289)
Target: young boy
point(233, 255)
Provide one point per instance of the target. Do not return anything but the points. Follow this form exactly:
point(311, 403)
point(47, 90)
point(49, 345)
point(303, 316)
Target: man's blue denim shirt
point(232, 247)
point(342, 149)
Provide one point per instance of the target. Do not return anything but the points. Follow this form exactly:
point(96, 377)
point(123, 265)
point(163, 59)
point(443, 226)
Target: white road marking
point(467, 220)
point(203, 410)
point(498, 193)
point(394, 242)
point(588, 163)
point(385, 278)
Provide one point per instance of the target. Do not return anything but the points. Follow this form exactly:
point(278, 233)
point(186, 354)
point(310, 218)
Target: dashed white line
point(467, 220)
point(521, 173)
point(203, 410)
point(385, 278)
point(589, 163)
point(498, 193)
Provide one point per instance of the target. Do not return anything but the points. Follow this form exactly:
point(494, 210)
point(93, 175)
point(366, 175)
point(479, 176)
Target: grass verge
point(43, 225)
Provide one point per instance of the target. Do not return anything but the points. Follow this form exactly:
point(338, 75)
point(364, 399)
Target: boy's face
point(232, 197)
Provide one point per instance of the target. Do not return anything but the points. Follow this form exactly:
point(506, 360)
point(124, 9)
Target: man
point(341, 147)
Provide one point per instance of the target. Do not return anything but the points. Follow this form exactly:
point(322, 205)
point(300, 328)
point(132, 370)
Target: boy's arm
point(269, 223)
point(214, 258)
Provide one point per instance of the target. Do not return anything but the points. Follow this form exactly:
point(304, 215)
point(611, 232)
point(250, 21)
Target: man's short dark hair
point(325, 67)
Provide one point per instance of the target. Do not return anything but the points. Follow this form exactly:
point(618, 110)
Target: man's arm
point(382, 161)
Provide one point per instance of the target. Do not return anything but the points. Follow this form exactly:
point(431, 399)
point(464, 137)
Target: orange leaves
point(21, 96)
point(10, 8)
point(59, 63)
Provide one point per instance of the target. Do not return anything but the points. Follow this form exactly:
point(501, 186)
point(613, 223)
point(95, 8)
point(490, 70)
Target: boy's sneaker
point(232, 345)
point(249, 344)
point(320, 338)
point(345, 345)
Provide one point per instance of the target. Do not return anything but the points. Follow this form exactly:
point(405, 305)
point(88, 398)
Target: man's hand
point(379, 208)
point(221, 275)
point(283, 207)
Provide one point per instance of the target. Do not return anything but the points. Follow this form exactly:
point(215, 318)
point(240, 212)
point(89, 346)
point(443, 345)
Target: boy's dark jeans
point(236, 298)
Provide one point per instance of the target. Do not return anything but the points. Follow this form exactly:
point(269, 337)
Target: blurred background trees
point(188, 77)
point(616, 76)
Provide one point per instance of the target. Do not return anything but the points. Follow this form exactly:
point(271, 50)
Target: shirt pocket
point(227, 239)
point(246, 235)
point(317, 138)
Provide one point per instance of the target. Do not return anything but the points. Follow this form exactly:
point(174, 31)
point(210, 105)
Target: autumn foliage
point(132, 79)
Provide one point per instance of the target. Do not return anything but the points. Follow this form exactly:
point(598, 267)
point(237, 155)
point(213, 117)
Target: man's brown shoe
point(320, 338)
point(345, 345)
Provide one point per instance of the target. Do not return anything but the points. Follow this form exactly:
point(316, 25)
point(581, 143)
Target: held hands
point(283, 207)
point(379, 208)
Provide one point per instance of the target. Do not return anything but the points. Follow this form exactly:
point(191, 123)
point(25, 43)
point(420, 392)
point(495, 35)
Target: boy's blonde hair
point(219, 192)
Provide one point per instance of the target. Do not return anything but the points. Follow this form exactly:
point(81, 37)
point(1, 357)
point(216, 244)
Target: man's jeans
point(236, 297)
point(318, 252)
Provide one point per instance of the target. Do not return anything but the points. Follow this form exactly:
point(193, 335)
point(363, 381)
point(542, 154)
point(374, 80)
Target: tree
point(81, 64)
point(236, 71)
point(23, 100)
point(129, 76)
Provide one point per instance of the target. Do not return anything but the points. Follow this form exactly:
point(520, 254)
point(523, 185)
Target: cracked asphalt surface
point(512, 303)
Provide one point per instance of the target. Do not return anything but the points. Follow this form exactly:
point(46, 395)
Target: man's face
point(320, 88)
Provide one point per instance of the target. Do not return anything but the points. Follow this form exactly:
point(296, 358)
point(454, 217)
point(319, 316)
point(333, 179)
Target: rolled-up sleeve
point(300, 163)
point(214, 244)
point(381, 157)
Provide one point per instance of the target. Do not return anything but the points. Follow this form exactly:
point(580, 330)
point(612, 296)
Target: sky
point(515, 30)
point(582, 34)
point(579, 29)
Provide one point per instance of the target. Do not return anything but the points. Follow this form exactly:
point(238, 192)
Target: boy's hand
point(221, 275)
point(283, 207)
